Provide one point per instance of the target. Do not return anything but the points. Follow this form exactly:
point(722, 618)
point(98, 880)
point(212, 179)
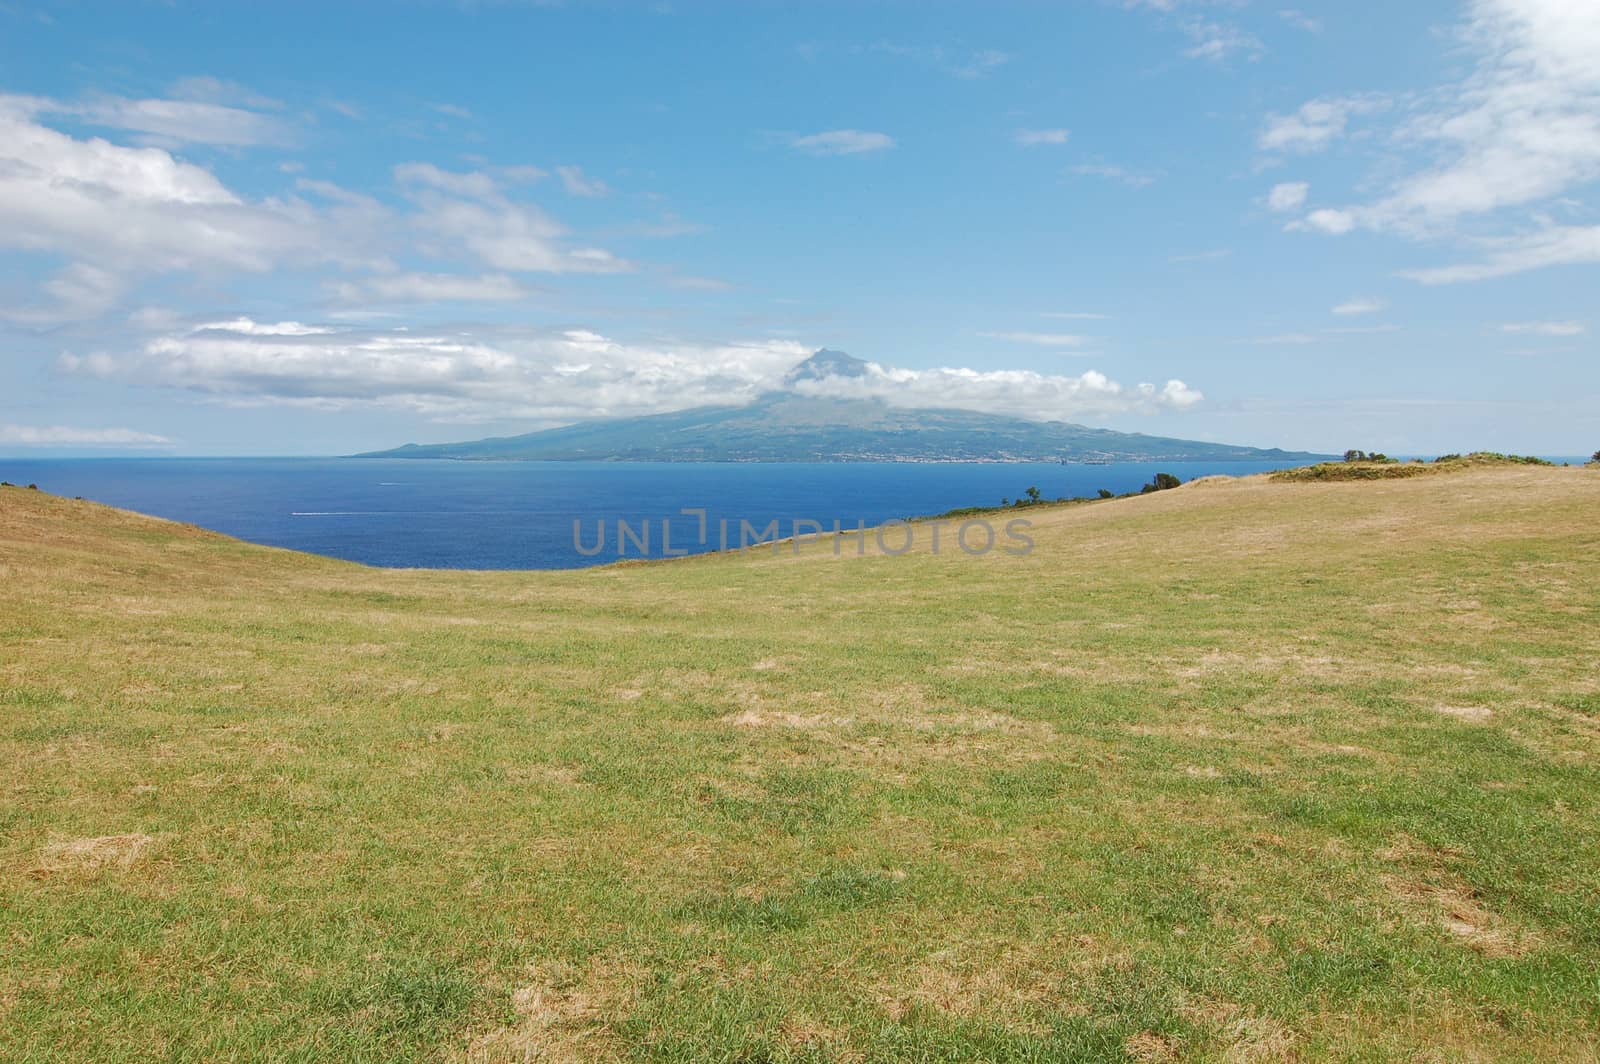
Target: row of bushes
point(1379, 458)
point(1493, 457)
point(1033, 497)
point(1379, 467)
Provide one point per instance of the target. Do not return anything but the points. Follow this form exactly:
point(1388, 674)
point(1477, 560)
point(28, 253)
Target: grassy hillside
point(1394, 469)
point(1249, 770)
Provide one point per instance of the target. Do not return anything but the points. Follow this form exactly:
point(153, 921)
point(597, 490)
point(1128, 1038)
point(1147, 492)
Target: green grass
point(1248, 770)
point(1394, 469)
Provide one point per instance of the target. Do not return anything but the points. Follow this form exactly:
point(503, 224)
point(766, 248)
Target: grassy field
point(1248, 770)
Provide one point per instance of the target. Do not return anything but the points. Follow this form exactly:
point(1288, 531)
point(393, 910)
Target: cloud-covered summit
point(510, 373)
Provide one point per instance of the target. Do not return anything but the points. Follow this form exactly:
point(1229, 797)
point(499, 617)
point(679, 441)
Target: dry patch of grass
point(88, 856)
point(1474, 714)
point(755, 718)
point(562, 1015)
point(1456, 910)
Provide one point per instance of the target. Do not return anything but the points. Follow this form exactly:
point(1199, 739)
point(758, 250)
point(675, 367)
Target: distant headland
point(794, 424)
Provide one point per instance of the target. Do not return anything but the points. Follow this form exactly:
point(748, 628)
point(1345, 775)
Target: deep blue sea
point(520, 515)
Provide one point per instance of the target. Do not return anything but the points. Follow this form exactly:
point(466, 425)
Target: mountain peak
point(826, 363)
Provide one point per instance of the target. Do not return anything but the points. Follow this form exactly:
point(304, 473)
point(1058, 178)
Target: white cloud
point(1301, 20)
point(1019, 393)
point(967, 66)
point(467, 212)
point(1551, 245)
point(64, 436)
point(77, 292)
point(458, 374)
point(429, 288)
point(522, 175)
point(1316, 125)
point(1286, 340)
point(473, 184)
point(174, 122)
point(549, 378)
point(140, 210)
point(251, 327)
point(1030, 138)
point(1546, 328)
point(198, 115)
point(137, 175)
point(979, 64)
point(1327, 220)
point(1362, 330)
point(507, 236)
point(119, 214)
point(577, 184)
point(1112, 172)
point(691, 283)
point(1037, 338)
point(842, 142)
point(1217, 42)
point(1209, 39)
point(1523, 129)
point(1288, 196)
point(1353, 307)
point(215, 90)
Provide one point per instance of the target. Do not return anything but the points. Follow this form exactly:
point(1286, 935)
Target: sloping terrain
point(1246, 770)
point(793, 425)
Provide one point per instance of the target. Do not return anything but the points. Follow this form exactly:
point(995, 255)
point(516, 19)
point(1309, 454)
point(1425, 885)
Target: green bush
point(1162, 482)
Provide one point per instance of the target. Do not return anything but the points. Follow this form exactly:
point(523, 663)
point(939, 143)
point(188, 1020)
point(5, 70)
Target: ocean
point(520, 515)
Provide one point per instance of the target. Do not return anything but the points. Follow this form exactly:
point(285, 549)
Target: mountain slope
point(788, 426)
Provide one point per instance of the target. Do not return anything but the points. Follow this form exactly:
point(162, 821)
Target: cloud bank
point(65, 436)
point(121, 214)
point(1520, 131)
point(547, 378)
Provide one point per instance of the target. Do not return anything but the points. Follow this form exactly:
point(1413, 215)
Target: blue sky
point(229, 229)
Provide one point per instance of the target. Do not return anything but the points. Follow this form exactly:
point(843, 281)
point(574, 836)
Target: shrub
point(1378, 467)
point(1162, 482)
point(1361, 471)
point(1512, 459)
point(1107, 494)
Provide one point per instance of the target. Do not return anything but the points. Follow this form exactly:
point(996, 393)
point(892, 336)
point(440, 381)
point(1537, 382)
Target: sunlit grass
point(1247, 770)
